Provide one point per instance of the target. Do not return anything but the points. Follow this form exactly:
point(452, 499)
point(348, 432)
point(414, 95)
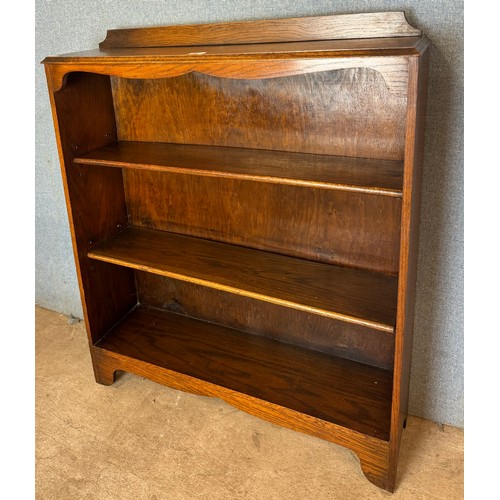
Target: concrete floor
point(137, 440)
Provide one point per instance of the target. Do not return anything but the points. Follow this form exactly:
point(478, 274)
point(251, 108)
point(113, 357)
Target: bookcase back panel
point(351, 341)
point(348, 228)
point(346, 112)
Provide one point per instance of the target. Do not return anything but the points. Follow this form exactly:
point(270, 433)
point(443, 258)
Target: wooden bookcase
point(243, 201)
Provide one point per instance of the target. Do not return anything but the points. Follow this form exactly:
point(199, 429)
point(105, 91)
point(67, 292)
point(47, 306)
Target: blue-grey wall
point(437, 387)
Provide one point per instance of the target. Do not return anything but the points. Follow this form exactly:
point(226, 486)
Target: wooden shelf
point(350, 295)
point(320, 171)
point(343, 392)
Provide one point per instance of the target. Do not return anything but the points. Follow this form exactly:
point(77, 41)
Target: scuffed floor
point(137, 440)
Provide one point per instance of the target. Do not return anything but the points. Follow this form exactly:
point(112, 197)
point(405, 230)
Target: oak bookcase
point(243, 201)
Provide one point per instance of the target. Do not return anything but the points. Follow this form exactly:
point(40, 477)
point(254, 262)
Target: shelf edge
point(96, 255)
point(395, 193)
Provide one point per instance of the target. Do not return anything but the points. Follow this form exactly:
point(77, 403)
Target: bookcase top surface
point(382, 33)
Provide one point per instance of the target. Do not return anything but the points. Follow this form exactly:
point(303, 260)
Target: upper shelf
point(384, 177)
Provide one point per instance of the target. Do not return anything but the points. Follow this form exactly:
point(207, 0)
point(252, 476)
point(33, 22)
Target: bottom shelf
point(343, 392)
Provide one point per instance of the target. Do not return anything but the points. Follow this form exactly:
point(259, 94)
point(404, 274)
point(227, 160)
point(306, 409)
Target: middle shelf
point(364, 175)
point(347, 294)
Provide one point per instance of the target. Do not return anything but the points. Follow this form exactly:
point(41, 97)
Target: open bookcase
point(243, 201)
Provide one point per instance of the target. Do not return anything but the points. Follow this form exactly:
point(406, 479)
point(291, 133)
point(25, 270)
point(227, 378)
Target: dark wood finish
point(361, 175)
point(336, 390)
point(251, 61)
point(372, 452)
point(95, 198)
point(325, 268)
point(408, 261)
point(392, 70)
point(351, 295)
point(354, 342)
point(335, 227)
point(329, 115)
point(386, 47)
point(347, 26)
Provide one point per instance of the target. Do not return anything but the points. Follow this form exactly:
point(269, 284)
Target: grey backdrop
point(436, 390)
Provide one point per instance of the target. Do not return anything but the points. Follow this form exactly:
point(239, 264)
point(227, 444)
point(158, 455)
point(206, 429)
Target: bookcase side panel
point(417, 100)
point(95, 197)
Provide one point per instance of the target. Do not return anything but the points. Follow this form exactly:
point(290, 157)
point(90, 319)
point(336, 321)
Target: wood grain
point(355, 296)
point(394, 73)
point(362, 175)
point(339, 227)
point(310, 266)
point(372, 452)
point(409, 245)
point(347, 112)
point(291, 51)
point(346, 26)
point(354, 342)
point(343, 392)
point(95, 198)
